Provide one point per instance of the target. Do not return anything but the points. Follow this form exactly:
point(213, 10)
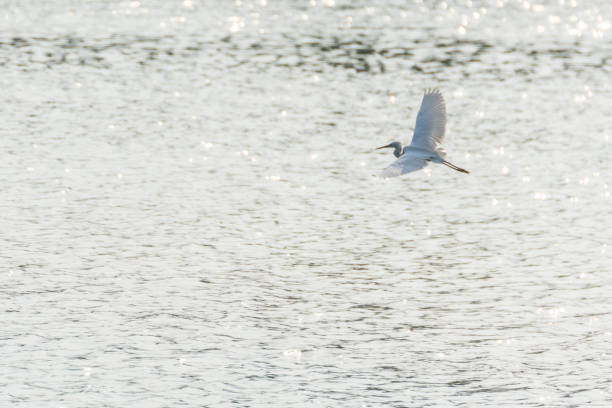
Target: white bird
point(428, 135)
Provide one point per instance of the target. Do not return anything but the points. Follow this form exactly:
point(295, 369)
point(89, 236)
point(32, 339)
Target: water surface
point(191, 213)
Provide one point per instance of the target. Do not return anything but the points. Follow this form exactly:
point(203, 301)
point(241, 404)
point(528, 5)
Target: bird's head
point(397, 148)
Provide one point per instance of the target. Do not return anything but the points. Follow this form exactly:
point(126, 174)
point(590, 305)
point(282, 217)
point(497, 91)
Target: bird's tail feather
point(452, 166)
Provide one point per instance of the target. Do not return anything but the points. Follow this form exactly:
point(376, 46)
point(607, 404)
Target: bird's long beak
point(382, 147)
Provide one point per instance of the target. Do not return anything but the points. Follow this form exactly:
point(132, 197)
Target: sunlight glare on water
point(192, 216)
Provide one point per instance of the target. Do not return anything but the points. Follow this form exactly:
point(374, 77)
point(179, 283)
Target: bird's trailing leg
point(452, 166)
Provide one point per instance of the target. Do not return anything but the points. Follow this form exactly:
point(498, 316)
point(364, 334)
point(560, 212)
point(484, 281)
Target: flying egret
point(428, 135)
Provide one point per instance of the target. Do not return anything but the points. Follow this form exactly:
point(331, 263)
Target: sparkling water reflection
point(191, 216)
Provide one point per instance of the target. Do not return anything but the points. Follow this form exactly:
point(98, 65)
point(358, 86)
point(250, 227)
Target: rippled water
point(191, 216)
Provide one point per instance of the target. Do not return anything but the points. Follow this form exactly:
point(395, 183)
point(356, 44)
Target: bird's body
point(425, 145)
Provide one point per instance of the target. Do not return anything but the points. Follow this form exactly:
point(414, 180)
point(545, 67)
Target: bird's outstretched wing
point(405, 164)
point(430, 122)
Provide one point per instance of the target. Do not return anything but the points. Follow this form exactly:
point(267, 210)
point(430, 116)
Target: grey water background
point(190, 212)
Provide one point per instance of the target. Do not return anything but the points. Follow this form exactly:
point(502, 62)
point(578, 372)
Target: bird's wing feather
point(403, 165)
point(430, 122)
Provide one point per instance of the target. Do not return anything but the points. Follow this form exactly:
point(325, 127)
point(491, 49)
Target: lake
point(191, 212)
